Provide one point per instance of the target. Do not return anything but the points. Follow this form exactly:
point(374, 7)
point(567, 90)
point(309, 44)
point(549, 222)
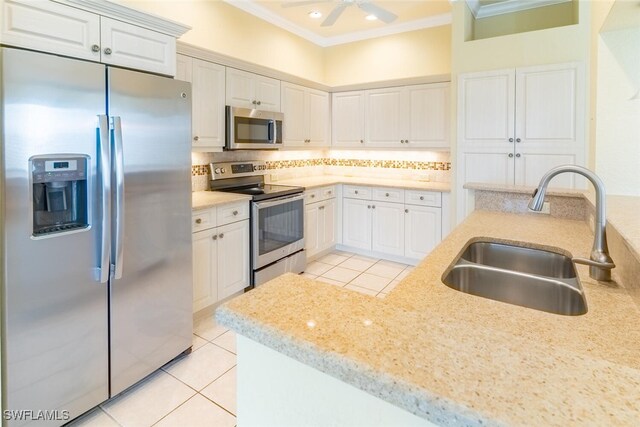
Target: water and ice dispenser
point(60, 199)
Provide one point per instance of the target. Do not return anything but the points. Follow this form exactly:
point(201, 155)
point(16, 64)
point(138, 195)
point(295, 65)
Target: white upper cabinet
point(306, 116)
point(347, 119)
point(397, 117)
point(82, 32)
point(248, 90)
point(208, 97)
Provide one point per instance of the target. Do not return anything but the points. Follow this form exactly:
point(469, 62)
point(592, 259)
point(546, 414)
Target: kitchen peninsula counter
point(322, 180)
point(458, 359)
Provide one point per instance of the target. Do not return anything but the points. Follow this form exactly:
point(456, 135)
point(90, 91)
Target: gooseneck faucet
point(600, 263)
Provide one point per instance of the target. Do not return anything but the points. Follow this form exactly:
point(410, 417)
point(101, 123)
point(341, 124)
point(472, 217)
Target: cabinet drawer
point(328, 192)
point(388, 195)
point(203, 219)
point(356, 192)
point(312, 196)
point(423, 198)
point(233, 212)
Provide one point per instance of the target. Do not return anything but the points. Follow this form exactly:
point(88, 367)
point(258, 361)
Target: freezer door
point(54, 311)
point(151, 283)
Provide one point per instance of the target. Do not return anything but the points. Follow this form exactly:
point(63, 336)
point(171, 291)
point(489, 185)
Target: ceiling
point(352, 25)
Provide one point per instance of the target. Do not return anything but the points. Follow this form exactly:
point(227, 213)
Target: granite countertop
point(458, 359)
point(322, 180)
point(209, 199)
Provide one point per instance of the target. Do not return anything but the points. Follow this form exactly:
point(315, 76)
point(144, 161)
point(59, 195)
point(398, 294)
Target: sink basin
point(528, 277)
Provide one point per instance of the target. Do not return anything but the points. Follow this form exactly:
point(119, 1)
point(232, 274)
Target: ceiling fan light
point(371, 17)
point(314, 14)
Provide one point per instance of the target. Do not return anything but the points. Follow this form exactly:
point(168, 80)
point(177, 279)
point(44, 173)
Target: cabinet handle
point(510, 139)
point(214, 237)
point(518, 155)
point(221, 235)
point(199, 221)
point(107, 51)
point(406, 211)
point(510, 154)
point(421, 197)
point(95, 48)
point(518, 140)
point(196, 138)
point(235, 213)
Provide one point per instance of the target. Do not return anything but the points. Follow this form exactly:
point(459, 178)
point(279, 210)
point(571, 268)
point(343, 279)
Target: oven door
point(277, 229)
point(253, 129)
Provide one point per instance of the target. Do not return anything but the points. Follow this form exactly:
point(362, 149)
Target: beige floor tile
point(197, 342)
point(202, 366)
point(361, 290)
point(343, 253)
point(404, 273)
point(309, 276)
point(148, 401)
point(223, 391)
point(365, 258)
point(94, 418)
point(227, 341)
point(330, 281)
point(357, 264)
point(208, 329)
point(198, 412)
point(333, 259)
point(382, 268)
point(341, 274)
point(318, 268)
point(370, 281)
point(390, 286)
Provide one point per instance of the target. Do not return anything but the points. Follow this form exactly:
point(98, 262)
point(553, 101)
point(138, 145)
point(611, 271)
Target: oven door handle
point(278, 201)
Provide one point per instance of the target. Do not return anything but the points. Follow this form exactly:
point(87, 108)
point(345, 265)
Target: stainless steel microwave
point(249, 129)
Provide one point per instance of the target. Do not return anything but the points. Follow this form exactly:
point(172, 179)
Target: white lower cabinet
point(220, 255)
point(408, 228)
point(320, 221)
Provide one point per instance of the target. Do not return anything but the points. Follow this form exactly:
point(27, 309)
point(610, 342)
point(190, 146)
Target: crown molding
point(117, 11)
point(265, 14)
point(507, 6)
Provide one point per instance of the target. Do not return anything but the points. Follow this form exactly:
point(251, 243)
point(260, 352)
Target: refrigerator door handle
point(104, 167)
point(118, 217)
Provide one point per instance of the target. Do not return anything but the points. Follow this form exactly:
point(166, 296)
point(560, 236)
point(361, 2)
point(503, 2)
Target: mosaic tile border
point(199, 170)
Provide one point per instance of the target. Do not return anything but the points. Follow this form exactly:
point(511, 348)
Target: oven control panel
point(237, 169)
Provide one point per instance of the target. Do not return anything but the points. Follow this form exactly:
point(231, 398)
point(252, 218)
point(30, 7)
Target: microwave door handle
point(275, 132)
point(271, 132)
point(104, 168)
point(118, 217)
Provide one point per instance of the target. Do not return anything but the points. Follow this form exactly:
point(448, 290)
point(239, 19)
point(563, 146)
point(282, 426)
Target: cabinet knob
point(406, 211)
point(199, 221)
point(356, 192)
point(421, 197)
point(196, 138)
point(362, 141)
point(510, 154)
point(518, 140)
point(386, 194)
point(373, 206)
point(406, 141)
point(214, 237)
point(107, 51)
point(510, 139)
point(254, 102)
point(95, 48)
point(518, 155)
point(259, 102)
point(368, 206)
point(235, 213)
point(402, 141)
point(313, 196)
point(329, 192)
point(321, 207)
point(221, 235)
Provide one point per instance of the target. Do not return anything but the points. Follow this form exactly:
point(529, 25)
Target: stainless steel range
point(277, 218)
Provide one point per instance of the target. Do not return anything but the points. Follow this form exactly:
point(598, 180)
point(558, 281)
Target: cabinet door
point(51, 27)
point(423, 230)
point(293, 106)
point(347, 118)
point(138, 48)
point(486, 103)
point(267, 93)
point(184, 68)
point(550, 108)
point(205, 259)
point(328, 226)
point(388, 228)
point(208, 105)
point(428, 118)
point(356, 223)
point(530, 167)
point(240, 87)
point(385, 117)
point(317, 117)
point(312, 229)
point(233, 258)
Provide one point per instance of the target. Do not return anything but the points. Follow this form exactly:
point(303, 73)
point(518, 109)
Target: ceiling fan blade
point(302, 3)
point(380, 13)
point(335, 14)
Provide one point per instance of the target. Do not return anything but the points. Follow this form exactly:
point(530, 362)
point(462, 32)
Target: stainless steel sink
point(533, 278)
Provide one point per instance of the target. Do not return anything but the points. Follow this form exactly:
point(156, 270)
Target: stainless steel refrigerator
point(95, 207)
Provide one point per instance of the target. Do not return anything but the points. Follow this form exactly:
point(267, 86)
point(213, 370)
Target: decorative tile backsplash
point(199, 170)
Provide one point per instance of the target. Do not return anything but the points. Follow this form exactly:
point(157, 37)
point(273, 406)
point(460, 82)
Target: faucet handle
point(592, 263)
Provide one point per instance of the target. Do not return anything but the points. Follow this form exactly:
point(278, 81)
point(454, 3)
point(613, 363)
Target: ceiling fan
point(366, 5)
